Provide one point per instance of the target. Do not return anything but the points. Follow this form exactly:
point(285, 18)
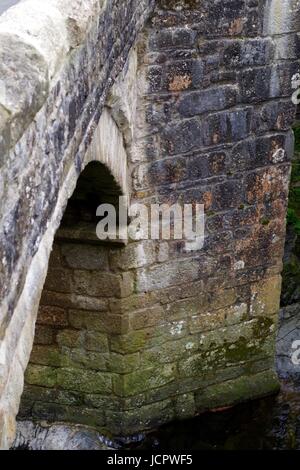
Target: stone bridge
point(159, 101)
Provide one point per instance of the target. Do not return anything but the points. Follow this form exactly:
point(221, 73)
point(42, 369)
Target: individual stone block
point(182, 137)
point(85, 381)
point(204, 101)
point(59, 280)
point(41, 375)
point(70, 414)
point(166, 275)
point(148, 317)
point(95, 341)
point(73, 301)
point(235, 391)
point(85, 257)
point(96, 284)
point(227, 126)
point(84, 360)
point(70, 338)
point(248, 53)
point(135, 255)
point(44, 335)
point(265, 297)
point(46, 355)
point(167, 39)
point(169, 352)
point(128, 343)
point(52, 316)
point(142, 380)
point(103, 322)
point(144, 417)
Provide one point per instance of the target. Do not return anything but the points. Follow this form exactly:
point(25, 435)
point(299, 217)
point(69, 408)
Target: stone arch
point(69, 376)
point(17, 343)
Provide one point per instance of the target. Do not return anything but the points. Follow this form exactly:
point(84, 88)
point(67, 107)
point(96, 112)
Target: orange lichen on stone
point(207, 199)
point(236, 26)
point(180, 82)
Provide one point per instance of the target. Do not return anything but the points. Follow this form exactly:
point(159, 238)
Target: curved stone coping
point(35, 39)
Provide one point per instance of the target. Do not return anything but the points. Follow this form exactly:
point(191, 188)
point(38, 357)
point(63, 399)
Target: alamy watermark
point(295, 357)
point(296, 87)
point(152, 222)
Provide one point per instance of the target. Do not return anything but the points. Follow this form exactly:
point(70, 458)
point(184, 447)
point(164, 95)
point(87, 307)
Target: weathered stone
point(87, 381)
point(52, 316)
point(135, 255)
point(145, 417)
point(46, 355)
point(70, 338)
point(128, 343)
point(41, 375)
point(85, 257)
point(95, 341)
point(96, 284)
point(265, 297)
point(59, 280)
point(72, 414)
point(103, 322)
point(200, 113)
point(142, 380)
point(148, 317)
point(73, 301)
point(44, 335)
point(235, 391)
point(223, 317)
point(82, 360)
point(56, 437)
point(24, 83)
point(122, 364)
point(200, 102)
point(185, 405)
point(167, 275)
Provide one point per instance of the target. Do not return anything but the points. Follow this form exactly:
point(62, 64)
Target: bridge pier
point(129, 337)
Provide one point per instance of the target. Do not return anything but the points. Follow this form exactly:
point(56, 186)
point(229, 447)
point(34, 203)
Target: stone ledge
point(35, 40)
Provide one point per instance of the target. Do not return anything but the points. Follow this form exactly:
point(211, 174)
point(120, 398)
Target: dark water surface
point(5, 4)
point(271, 423)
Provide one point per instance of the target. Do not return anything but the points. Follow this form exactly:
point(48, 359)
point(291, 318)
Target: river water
point(271, 423)
point(5, 4)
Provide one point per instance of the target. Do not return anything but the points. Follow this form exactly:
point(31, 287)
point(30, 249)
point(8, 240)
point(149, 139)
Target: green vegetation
point(291, 271)
point(293, 215)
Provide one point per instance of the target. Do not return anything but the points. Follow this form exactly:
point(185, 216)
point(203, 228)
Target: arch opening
point(70, 374)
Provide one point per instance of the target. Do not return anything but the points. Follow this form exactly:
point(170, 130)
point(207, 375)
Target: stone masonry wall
point(217, 116)
point(196, 330)
point(58, 62)
point(73, 360)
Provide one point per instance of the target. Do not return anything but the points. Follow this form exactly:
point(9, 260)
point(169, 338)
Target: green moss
point(84, 380)
point(237, 390)
point(265, 221)
point(41, 375)
point(291, 280)
point(128, 343)
point(148, 379)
